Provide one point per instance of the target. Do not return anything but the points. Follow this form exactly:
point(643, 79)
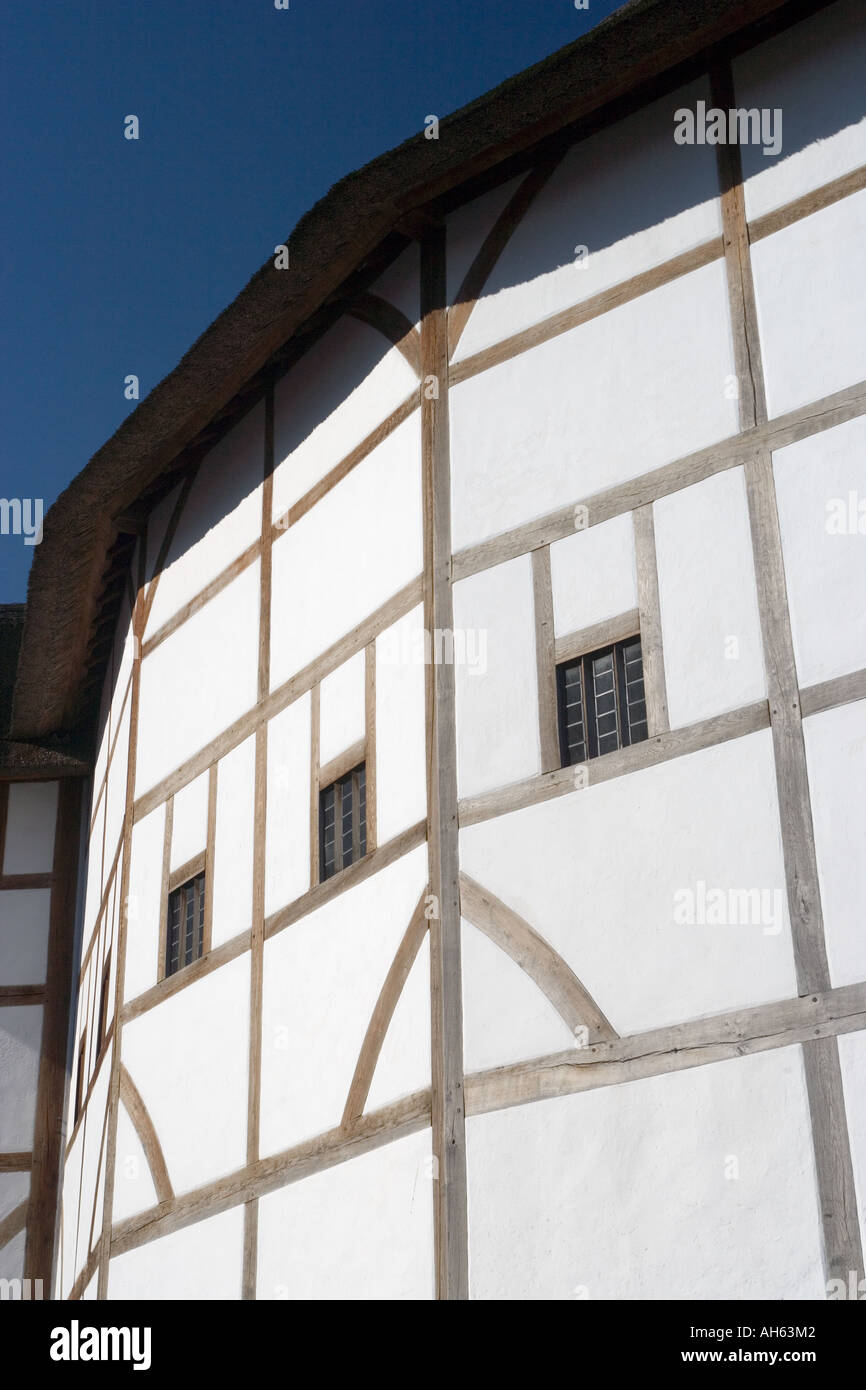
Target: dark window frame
point(81, 1068)
point(102, 1016)
point(627, 729)
point(184, 942)
point(342, 798)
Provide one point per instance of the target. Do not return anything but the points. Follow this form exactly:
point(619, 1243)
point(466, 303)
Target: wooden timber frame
point(813, 1020)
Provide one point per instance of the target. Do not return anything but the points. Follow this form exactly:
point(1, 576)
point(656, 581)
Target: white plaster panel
point(145, 903)
point(401, 740)
point(233, 843)
point(342, 708)
point(400, 284)
point(597, 874)
point(189, 821)
point(593, 575)
point(157, 528)
point(221, 518)
point(31, 817)
point(14, 1189)
point(623, 1193)
point(12, 1257)
point(202, 1261)
point(70, 1213)
point(207, 1025)
point(836, 760)
point(506, 1017)
point(115, 795)
point(361, 1230)
point(133, 1185)
point(24, 921)
point(497, 690)
point(330, 401)
point(468, 228)
point(403, 1066)
point(672, 206)
point(93, 870)
point(607, 401)
point(287, 836)
point(813, 72)
point(852, 1057)
point(322, 977)
point(189, 692)
point(20, 1043)
point(88, 1199)
point(711, 626)
point(90, 1293)
point(359, 545)
point(810, 280)
point(821, 497)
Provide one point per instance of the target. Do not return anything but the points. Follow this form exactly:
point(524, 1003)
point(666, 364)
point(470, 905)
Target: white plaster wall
point(497, 696)
point(711, 628)
point(593, 575)
point(400, 284)
point(189, 821)
point(202, 1261)
point(88, 1194)
point(672, 206)
point(115, 795)
point(24, 921)
point(322, 977)
point(221, 518)
point(189, 691)
point(361, 1230)
point(20, 1043)
point(852, 1056)
point(622, 1193)
point(233, 843)
point(133, 1185)
point(506, 1017)
point(825, 570)
point(187, 1054)
point(810, 280)
point(145, 903)
point(12, 1257)
point(836, 760)
point(401, 741)
point(30, 822)
point(359, 545)
point(596, 873)
point(609, 400)
point(287, 840)
point(814, 73)
point(330, 401)
point(68, 1265)
point(403, 1066)
point(342, 708)
point(468, 227)
point(157, 527)
point(93, 872)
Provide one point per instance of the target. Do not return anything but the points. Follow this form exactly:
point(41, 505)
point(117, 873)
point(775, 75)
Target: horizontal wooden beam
point(601, 634)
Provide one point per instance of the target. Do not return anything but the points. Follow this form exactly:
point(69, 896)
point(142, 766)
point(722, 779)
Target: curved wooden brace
point(143, 1124)
point(13, 1223)
point(382, 1015)
point(492, 247)
point(378, 313)
point(545, 966)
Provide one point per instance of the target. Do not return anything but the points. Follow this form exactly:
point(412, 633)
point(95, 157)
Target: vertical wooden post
point(449, 1144)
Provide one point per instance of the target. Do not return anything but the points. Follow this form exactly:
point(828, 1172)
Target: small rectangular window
point(601, 702)
point(102, 1024)
point(343, 822)
point(79, 1075)
point(184, 937)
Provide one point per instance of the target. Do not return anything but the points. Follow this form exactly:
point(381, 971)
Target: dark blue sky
point(117, 254)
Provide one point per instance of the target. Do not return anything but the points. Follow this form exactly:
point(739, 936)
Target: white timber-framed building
point(431, 815)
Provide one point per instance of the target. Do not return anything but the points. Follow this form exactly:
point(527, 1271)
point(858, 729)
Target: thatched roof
point(360, 224)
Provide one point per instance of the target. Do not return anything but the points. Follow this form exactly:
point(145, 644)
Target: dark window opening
point(601, 702)
point(184, 937)
point(102, 1023)
point(343, 822)
point(79, 1075)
